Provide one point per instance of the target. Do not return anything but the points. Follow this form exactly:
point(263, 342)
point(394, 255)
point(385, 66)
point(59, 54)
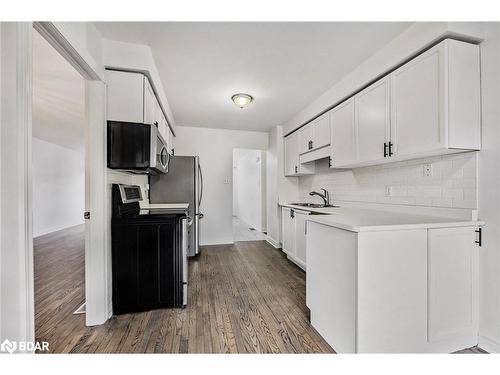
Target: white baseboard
point(273, 242)
point(488, 344)
point(223, 242)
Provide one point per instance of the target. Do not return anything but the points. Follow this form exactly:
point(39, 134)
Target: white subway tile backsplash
point(452, 184)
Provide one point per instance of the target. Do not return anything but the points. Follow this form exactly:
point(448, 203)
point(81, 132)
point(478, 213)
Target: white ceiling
point(284, 65)
point(58, 98)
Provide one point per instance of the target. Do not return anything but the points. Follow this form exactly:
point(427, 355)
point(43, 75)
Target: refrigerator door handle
point(201, 185)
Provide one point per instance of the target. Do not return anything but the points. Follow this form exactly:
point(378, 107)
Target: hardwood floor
point(59, 276)
point(243, 298)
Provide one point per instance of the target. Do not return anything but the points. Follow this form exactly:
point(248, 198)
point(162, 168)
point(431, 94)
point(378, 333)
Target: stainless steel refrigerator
point(182, 184)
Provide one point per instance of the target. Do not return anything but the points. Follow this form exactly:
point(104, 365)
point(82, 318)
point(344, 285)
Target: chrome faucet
point(325, 196)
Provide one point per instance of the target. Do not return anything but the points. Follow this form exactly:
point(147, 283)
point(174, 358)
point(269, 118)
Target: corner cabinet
point(429, 106)
point(411, 291)
point(294, 235)
point(131, 98)
point(292, 164)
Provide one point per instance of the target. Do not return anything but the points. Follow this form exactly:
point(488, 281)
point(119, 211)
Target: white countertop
point(181, 206)
point(363, 220)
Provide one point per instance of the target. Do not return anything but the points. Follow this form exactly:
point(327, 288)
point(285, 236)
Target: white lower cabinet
point(294, 235)
point(406, 291)
point(452, 284)
point(288, 231)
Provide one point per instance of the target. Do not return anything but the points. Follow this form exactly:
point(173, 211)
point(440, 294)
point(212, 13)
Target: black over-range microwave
point(136, 148)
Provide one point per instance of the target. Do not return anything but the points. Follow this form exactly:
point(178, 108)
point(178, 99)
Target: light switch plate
point(388, 191)
point(227, 180)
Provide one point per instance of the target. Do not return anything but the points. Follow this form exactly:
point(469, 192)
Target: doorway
point(249, 195)
point(58, 192)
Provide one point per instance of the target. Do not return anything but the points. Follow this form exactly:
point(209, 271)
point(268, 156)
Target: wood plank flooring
point(243, 298)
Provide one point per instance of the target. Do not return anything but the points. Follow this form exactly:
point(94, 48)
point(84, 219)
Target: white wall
point(249, 187)
point(452, 184)
point(489, 191)
point(215, 148)
point(58, 187)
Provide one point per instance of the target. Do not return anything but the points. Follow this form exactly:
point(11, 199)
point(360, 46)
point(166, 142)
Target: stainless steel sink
point(313, 205)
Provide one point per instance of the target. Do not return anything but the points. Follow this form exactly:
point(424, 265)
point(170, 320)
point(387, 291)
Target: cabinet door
point(150, 105)
point(124, 96)
point(306, 138)
point(172, 141)
point(288, 231)
point(372, 107)
point(452, 283)
point(392, 291)
point(300, 238)
point(291, 155)
point(343, 134)
point(321, 131)
point(417, 103)
point(331, 285)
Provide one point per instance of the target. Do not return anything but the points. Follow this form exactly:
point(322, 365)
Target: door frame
point(96, 260)
point(16, 252)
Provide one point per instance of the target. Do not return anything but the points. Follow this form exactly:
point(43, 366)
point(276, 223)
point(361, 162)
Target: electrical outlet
point(388, 191)
point(227, 180)
point(427, 170)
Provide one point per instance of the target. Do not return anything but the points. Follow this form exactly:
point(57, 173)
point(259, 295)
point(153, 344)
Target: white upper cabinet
point(125, 96)
point(435, 102)
point(292, 164)
point(315, 135)
point(306, 134)
point(321, 131)
point(372, 107)
point(343, 143)
point(171, 144)
point(429, 106)
point(131, 98)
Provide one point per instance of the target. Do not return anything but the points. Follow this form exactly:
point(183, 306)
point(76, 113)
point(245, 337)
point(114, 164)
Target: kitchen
point(380, 202)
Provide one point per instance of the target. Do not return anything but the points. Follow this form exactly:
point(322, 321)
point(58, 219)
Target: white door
point(321, 130)
point(288, 231)
point(373, 120)
point(417, 103)
point(306, 138)
point(291, 155)
point(125, 96)
point(343, 134)
point(150, 111)
point(452, 283)
point(300, 238)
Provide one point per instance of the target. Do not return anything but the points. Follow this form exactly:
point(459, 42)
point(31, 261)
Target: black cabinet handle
point(330, 161)
point(296, 169)
point(156, 123)
point(292, 214)
point(385, 149)
point(310, 145)
point(390, 148)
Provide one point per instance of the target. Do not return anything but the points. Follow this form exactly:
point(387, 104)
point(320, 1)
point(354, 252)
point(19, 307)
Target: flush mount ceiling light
point(242, 100)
